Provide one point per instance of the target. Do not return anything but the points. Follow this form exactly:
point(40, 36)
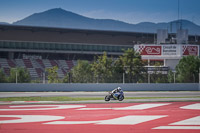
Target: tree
point(171, 76)
point(53, 74)
point(157, 76)
point(188, 69)
point(2, 77)
point(133, 65)
point(21, 74)
point(67, 78)
point(81, 73)
point(118, 72)
point(13, 75)
point(102, 68)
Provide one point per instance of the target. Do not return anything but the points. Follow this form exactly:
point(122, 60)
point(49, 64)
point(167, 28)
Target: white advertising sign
point(169, 50)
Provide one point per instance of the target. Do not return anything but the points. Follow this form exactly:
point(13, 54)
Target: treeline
point(128, 68)
point(19, 75)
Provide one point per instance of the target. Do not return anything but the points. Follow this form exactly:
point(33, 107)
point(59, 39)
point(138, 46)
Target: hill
point(4, 23)
point(65, 19)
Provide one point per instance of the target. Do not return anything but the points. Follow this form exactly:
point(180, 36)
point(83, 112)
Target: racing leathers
point(117, 92)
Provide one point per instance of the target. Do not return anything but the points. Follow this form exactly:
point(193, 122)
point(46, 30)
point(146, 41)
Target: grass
point(62, 98)
point(159, 97)
point(48, 98)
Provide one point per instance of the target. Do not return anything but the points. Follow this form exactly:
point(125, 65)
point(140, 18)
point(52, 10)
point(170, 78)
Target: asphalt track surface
point(102, 94)
point(155, 117)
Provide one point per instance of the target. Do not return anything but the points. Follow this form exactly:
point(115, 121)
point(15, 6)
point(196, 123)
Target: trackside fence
point(39, 87)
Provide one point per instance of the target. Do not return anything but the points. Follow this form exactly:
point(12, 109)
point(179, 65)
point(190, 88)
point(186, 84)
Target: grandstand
point(36, 67)
point(38, 48)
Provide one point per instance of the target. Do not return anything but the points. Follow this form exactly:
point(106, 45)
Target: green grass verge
point(74, 98)
point(159, 97)
point(48, 99)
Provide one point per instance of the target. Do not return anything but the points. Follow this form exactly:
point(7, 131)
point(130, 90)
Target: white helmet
point(119, 89)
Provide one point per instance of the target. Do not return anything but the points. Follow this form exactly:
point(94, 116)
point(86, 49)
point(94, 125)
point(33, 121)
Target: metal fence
point(116, 78)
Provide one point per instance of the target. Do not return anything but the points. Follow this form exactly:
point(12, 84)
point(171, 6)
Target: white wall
point(171, 63)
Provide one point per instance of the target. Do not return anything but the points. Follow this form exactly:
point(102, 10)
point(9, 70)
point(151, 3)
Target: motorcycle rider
point(116, 92)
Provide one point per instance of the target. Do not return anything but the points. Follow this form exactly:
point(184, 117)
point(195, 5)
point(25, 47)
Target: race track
point(155, 117)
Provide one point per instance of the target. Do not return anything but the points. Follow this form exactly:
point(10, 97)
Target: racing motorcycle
point(120, 96)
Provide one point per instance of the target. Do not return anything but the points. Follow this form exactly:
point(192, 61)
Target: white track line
point(192, 106)
point(125, 120)
point(178, 127)
point(42, 107)
point(134, 107)
point(29, 118)
point(191, 121)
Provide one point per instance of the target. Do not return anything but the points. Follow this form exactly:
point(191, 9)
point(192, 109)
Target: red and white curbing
point(114, 117)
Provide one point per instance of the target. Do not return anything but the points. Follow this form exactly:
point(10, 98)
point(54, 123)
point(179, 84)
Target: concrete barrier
point(37, 87)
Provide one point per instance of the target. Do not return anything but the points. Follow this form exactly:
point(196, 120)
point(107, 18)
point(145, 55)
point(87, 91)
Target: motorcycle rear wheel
point(107, 98)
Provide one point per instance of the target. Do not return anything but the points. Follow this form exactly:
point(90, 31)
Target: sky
point(130, 11)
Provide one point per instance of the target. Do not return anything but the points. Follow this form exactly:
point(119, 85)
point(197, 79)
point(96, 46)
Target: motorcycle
point(110, 96)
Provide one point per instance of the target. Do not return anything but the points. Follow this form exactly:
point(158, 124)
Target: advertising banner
point(149, 50)
point(169, 50)
point(190, 50)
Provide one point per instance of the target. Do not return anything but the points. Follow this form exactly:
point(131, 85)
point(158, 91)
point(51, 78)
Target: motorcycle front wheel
point(121, 98)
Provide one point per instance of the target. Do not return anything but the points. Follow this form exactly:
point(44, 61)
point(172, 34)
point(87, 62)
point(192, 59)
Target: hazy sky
point(131, 11)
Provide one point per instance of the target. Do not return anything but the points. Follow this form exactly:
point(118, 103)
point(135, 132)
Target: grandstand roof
point(85, 36)
point(67, 35)
point(67, 30)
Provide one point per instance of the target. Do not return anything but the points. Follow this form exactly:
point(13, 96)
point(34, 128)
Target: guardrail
point(39, 87)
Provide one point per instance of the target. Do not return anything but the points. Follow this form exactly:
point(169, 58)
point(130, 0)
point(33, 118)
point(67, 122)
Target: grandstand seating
point(36, 67)
point(64, 72)
point(4, 63)
point(63, 64)
point(20, 63)
point(53, 63)
point(40, 62)
point(32, 72)
point(11, 63)
point(28, 63)
point(35, 64)
point(39, 72)
point(70, 64)
point(74, 62)
point(60, 73)
point(47, 63)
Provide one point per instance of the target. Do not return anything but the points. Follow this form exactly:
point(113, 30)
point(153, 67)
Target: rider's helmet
point(119, 89)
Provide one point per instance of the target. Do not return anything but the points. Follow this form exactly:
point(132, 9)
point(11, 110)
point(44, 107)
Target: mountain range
point(58, 17)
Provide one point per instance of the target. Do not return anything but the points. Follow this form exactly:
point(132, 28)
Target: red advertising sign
point(190, 50)
point(150, 50)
